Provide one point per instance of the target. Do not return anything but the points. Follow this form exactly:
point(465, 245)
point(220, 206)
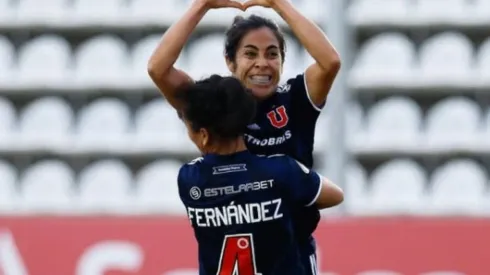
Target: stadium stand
point(418, 104)
point(84, 133)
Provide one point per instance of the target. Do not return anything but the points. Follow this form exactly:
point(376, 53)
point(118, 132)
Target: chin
point(263, 92)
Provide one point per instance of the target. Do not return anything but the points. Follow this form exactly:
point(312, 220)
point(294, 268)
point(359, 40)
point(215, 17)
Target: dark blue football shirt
point(241, 209)
point(285, 124)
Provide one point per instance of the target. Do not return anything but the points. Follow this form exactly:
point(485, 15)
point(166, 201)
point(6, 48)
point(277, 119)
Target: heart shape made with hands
point(244, 5)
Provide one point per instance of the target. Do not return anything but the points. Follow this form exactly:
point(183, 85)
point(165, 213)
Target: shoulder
point(284, 163)
point(293, 85)
point(189, 171)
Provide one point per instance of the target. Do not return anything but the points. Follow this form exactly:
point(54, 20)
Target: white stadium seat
point(485, 137)
point(369, 11)
point(292, 66)
point(454, 121)
point(306, 60)
point(7, 11)
point(8, 190)
point(158, 190)
point(95, 11)
point(105, 187)
point(322, 131)
point(47, 187)
point(355, 189)
point(159, 127)
point(483, 62)
point(7, 55)
point(441, 11)
point(45, 60)
point(446, 58)
point(102, 61)
point(140, 56)
point(7, 123)
point(47, 122)
point(398, 187)
point(51, 12)
point(207, 56)
point(152, 11)
point(458, 187)
point(104, 124)
point(355, 125)
point(316, 10)
point(480, 11)
point(394, 122)
point(388, 58)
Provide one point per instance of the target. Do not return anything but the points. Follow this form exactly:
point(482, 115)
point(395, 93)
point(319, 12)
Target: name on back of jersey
point(270, 141)
point(232, 214)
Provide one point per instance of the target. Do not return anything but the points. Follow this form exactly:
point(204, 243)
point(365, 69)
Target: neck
point(234, 146)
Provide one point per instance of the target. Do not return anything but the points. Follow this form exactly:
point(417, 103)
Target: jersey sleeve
point(303, 185)
point(301, 100)
point(182, 185)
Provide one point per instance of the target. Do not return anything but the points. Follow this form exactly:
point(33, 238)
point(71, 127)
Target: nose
point(261, 62)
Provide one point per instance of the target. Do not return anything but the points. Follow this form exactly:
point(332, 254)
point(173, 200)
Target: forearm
point(309, 34)
point(174, 40)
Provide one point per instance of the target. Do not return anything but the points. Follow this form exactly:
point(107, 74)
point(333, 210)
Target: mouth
point(260, 80)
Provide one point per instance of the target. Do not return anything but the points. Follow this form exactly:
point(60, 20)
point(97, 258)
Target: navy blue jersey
point(241, 209)
point(285, 123)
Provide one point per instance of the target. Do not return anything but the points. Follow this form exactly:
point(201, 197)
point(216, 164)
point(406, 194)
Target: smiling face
point(258, 62)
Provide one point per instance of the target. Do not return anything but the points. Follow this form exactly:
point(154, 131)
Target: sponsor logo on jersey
point(271, 141)
point(229, 168)
point(235, 189)
point(283, 88)
point(195, 193)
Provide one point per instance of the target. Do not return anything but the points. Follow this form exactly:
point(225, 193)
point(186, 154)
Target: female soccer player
point(255, 53)
point(241, 206)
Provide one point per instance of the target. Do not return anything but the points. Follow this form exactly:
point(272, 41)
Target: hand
point(218, 4)
point(261, 3)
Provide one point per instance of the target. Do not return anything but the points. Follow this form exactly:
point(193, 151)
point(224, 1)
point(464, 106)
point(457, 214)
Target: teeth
point(260, 79)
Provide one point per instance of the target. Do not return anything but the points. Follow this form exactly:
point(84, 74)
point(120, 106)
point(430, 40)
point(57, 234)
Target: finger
point(234, 4)
point(251, 3)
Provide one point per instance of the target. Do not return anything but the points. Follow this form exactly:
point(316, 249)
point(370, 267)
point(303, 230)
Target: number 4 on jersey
point(237, 256)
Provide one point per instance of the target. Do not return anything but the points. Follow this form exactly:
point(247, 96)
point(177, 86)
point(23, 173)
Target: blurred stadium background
point(89, 150)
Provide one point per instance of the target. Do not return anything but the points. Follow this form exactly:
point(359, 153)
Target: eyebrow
point(255, 48)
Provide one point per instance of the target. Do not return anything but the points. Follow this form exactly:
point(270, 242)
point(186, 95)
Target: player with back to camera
point(241, 206)
point(255, 53)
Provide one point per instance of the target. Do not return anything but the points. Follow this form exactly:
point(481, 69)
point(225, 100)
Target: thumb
point(251, 3)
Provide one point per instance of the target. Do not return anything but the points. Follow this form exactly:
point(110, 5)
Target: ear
point(231, 65)
point(204, 137)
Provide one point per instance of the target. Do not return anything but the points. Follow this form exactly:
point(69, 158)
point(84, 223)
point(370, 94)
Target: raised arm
point(321, 75)
point(161, 64)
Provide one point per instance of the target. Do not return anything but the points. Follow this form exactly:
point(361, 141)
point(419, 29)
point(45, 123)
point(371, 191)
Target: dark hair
point(241, 26)
point(222, 105)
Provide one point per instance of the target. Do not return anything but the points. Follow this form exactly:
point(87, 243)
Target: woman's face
point(258, 62)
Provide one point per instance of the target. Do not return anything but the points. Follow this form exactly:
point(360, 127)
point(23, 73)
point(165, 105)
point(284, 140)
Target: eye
point(273, 55)
point(250, 54)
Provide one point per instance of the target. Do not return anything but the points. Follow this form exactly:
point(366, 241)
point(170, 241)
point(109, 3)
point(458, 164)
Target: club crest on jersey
point(278, 117)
